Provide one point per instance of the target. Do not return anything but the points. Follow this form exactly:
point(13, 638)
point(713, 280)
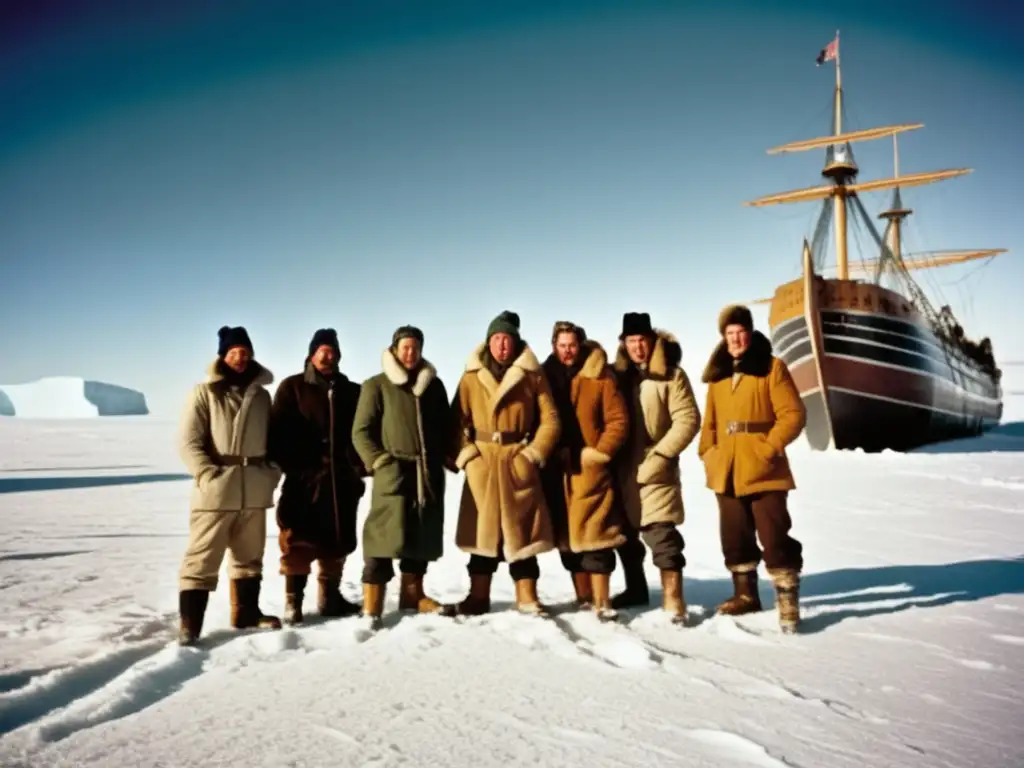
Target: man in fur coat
point(223, 443)
point(311, 439)
point(753, 412)
point(664, 418)
point(506, 427)
point(578, 479)
point(401, 432)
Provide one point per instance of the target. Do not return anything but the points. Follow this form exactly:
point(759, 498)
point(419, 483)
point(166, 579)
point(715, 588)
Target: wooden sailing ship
point(877, 366)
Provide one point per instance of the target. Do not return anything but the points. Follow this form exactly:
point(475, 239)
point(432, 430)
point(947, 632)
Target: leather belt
point(242, 461)
point(732, 427)
point(498, 438)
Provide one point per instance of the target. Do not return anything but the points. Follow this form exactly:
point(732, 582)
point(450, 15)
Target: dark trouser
point(666, 543)
point(479, 565)
point(596, 561)
point(633, 551)
point(297, 559)
point(745, 519)
point(381, 570)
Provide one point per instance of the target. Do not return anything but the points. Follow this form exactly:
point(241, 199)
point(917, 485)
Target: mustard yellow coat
point(759, 389)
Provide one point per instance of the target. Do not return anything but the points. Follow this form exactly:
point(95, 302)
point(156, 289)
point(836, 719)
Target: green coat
point(401, 434)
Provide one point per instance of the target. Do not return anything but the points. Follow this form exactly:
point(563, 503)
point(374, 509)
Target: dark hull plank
point(888, 385)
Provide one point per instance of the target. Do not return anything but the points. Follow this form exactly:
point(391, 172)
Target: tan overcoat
point(666, 420)
point(580, 487)
point(219, 424)
point(502, 507)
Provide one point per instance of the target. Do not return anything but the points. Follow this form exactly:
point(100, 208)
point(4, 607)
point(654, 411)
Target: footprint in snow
point(976, 664)
point(1009, 639)
point(735, 748)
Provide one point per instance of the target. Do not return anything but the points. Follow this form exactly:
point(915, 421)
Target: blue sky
point(169, 170)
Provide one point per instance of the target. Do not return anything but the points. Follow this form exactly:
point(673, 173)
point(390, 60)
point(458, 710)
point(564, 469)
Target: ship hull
point(872, 372)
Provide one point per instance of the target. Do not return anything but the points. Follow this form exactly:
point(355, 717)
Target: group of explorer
point(574, 453)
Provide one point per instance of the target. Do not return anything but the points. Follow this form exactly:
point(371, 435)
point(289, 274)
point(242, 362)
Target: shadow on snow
point(1006, 438)
point(830, 597)
point(29, 484)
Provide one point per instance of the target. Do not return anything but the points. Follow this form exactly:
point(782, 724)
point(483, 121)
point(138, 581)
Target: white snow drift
point(69, 397)
point(912, 654)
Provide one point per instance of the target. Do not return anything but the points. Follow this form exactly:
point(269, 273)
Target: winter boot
point(478, 602)
point(584, 590)
point(527, 600)
point(745, 598)
point(245, 606)
point(373, 604)
point(787, 598)
point(192, 607)
point(602, 604)
point(330, 602)
point(673, 602)
point(412, 598)
point(294, 587)
point(636, 593)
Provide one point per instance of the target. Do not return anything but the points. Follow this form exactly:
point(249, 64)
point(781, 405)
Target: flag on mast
point(829, 52)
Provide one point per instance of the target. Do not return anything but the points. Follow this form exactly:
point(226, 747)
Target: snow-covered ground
point(912, 652)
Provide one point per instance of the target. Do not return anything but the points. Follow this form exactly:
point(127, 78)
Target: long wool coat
point(664, 419)
point(502, 509)
point(401, 432)
point(759, 388)
point(221, 421)
point(579, 486)
point(319, 498)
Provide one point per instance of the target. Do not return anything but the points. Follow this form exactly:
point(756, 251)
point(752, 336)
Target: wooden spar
point(866, 134)
point(940, 259)
point(828, 190)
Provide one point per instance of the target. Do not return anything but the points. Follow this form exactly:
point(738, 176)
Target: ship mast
point(841, 170)
point(896, 212)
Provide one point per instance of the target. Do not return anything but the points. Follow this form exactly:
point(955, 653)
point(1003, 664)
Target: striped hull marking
point(875, 408)
point(955, 376)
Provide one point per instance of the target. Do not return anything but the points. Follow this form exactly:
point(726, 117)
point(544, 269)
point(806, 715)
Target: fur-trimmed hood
point(595, 360)
point(526, 360)
point(399, 376)
point(756, 361)
point(262, 378)
point(666, 356)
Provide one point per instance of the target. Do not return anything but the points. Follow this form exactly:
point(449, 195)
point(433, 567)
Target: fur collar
point(595, 360)
point(757, 361)
point(311, 375)
point(262, 378)
point(525, 363)
point(399, 376)
point(665, 357)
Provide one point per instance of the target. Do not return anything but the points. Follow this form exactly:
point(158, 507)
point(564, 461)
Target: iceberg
point(68, 397)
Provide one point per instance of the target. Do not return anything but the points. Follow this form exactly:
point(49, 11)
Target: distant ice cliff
point(68, 397)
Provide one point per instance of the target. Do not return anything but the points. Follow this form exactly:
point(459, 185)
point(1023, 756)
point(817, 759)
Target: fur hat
point(564, 326)
point(506, 322)
point(228, 337)
point(636, 324)
point(325, 337)
point(735, 314)
point(407, 332)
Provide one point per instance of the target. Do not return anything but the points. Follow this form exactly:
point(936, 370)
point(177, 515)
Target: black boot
point(192, 608)
point(294, 587)
point(330, 602)
point(636, 593)
point(245, 606)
